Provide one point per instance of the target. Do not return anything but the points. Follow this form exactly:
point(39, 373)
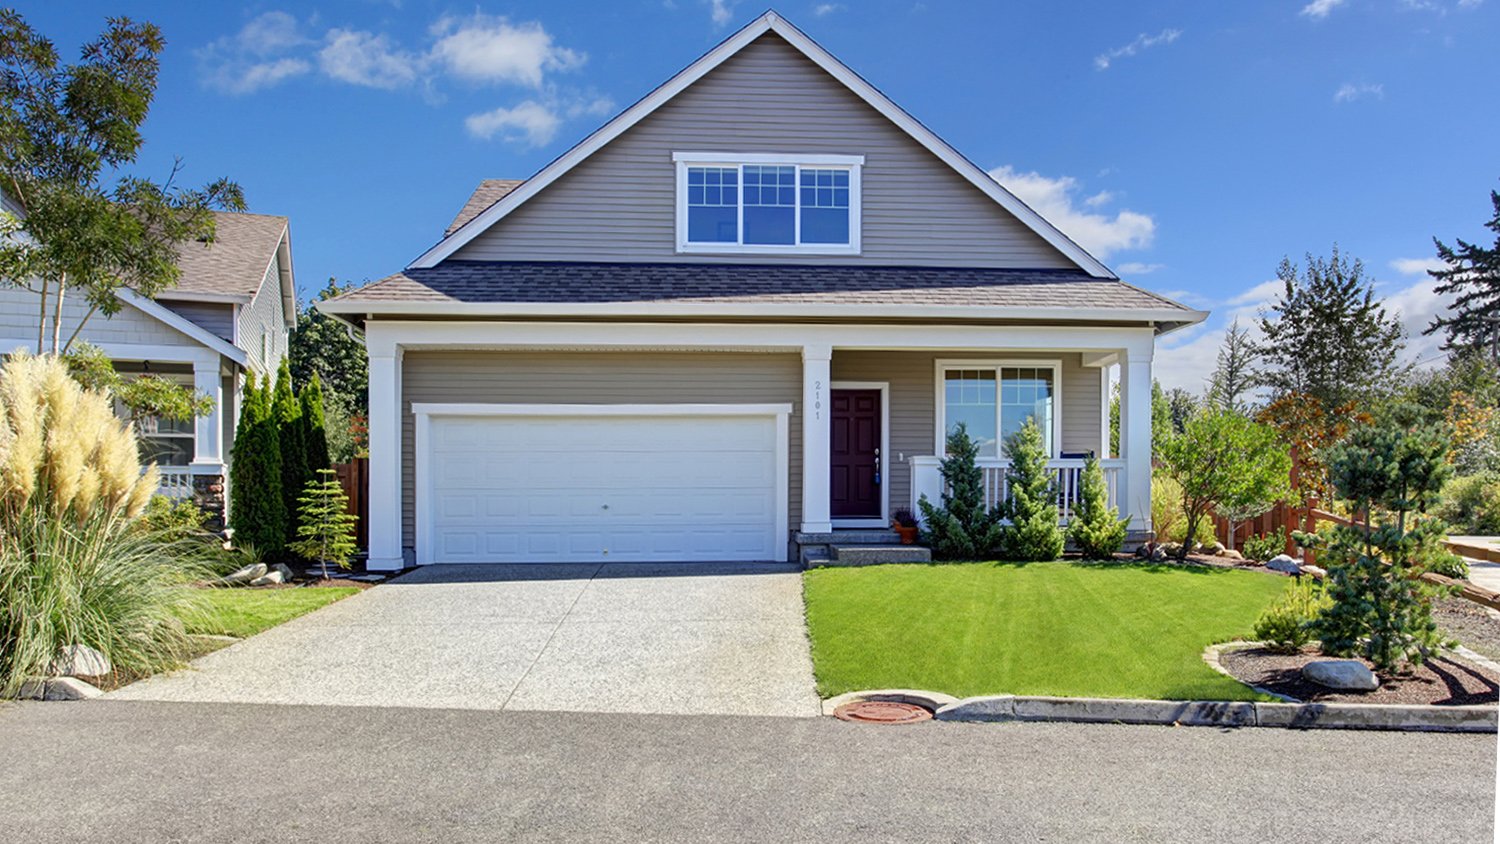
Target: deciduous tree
point(1223, 457)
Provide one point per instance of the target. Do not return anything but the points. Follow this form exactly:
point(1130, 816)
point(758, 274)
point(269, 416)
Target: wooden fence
point(354, 477)
point(1281, 516)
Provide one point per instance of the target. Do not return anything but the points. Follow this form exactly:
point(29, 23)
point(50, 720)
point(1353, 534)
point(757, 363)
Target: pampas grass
point(74, 569)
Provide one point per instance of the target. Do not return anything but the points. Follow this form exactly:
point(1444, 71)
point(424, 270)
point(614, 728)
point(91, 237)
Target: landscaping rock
point(1342, 674)
point(1217, 549)
point(1159, 555)
point(246, 574)
point(1231, 554)
point(58, 688)
point(287, 575)
point(1144, 552)
point(1282, 562)
point(268, 579)
point(80, 661)
point(1171, 549)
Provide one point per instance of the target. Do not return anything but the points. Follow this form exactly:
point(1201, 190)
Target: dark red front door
point(855, 482)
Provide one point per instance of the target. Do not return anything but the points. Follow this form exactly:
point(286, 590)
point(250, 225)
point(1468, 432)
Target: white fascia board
point(175, 295)
point(590, 410)
point(768, 158)
point(387, 338)
point(779, 310)
point(164, 353)
point(769, 22)
point(182, 324)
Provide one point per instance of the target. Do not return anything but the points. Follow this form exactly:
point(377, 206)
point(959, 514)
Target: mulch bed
point(1443, 681)
point(1476, 627)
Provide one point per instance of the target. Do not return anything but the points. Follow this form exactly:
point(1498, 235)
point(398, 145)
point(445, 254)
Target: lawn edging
point(1192, 713)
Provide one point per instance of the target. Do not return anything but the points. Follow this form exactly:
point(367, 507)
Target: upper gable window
point(768, 204)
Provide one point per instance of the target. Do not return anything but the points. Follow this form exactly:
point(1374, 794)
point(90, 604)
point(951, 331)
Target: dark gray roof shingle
point(489, 192)
point(600, 283)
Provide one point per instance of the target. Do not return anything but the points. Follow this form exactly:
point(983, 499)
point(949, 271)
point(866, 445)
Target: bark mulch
point(1444, 681)
point(1476, 627)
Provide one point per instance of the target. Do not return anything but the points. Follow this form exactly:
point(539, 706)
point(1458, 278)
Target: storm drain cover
point(882, 712)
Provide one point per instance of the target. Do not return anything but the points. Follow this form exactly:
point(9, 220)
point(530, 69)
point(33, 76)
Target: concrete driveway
point(666, 638)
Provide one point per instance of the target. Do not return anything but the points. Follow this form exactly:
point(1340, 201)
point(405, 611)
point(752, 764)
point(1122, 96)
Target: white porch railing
point(927, 480)
point(176, 482)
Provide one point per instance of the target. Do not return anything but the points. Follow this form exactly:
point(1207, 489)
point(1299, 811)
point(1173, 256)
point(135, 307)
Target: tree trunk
point(76, 331)
point(41, 322)
point(57, 316)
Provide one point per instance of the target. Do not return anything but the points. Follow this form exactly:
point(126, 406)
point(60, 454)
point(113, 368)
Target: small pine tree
point(314, 429)
point(962, 528)
point(286, 414)
point(1380, 609)
point(326, 533)
point(257, 509)
point(1033, 534)
point(1094, 529)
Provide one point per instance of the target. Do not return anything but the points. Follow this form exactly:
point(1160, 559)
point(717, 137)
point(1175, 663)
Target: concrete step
point(860, 536)
point(874, 555)
point(816, 557)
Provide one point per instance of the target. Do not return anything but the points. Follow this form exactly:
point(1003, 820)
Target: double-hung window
point(747, 204)
point(993, 400)
point(165, 442)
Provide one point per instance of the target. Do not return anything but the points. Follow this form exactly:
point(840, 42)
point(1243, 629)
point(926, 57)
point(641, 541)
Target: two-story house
point(229, 313)
point(737, 319)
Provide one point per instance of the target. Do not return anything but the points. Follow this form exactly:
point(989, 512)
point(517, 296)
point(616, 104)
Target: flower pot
point(908, 534)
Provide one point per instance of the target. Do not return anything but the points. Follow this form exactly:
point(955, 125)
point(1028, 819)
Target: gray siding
point(619, 204)
point(263, 333)
point(596, 378)
point(217, 317)
point(19, 314)
point(913, 397)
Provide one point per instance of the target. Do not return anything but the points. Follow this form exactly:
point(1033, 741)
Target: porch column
point(208, 449)
point(385, 462)
point(1135, 437)
point(815, 435)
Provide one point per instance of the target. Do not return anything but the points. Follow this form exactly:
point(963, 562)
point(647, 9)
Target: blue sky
point(1190, 145)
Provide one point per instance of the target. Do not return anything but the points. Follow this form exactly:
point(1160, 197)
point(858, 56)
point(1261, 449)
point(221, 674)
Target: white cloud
point(1416, 266)
point(1349, 92)
point(1099, 233)
point(722, 11)
point(1103, 197)
point(363, 58)
point(1319, 9)
point(491, 49)
point(256, 56)
point(823, 10)
point(1141, 42)
point(530, 122)
point(1138, 268)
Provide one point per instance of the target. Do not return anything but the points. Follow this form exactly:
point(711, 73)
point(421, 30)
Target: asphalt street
point(111, 770)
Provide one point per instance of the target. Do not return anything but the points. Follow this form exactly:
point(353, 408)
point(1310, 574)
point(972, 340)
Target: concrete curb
point(1189, 713)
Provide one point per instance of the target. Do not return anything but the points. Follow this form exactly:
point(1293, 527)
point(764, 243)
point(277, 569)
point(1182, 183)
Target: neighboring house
point(739, 316)
point(230, 311)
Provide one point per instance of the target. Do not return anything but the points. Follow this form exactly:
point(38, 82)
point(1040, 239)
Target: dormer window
point(768, 204)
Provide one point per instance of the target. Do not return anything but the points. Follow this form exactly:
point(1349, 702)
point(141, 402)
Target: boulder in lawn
point(268, 579)
point(246, 574)
point(1231, 554)
point(1282, 562)
point(1346, 675)
point(80, 661)
point(287, 575)
point(1216, 549)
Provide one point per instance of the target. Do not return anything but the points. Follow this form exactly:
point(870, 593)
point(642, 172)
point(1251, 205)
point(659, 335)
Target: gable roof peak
point(769, 21)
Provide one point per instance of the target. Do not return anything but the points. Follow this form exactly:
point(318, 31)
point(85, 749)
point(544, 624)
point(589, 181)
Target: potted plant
point(905, 525)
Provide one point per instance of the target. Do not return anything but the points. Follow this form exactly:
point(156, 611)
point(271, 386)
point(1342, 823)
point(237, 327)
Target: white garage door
point(579, 488)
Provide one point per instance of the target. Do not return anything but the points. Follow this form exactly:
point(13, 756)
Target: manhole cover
point(882, 712)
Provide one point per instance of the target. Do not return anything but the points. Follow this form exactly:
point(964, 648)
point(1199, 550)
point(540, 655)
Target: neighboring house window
point(994, 400)
point(743, 204)
point(165, 442)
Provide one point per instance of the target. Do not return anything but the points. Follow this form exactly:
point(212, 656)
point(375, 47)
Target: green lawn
point(1120, 630)
point(245, 612)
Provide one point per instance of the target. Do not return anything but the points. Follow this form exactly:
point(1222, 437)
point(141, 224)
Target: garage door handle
point(606, 506)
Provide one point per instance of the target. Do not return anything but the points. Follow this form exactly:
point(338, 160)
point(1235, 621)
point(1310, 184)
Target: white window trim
point(885, 452)
point(940, 410)
point(854, 164)
point(190, 436)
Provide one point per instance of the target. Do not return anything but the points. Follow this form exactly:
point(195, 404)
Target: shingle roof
point(235, 263)
point(488, 193)
point(604, 283)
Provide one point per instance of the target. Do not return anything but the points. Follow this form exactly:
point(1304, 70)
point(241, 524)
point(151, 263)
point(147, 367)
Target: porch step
point(874, 555)
point(816, 557)
point(870, 536)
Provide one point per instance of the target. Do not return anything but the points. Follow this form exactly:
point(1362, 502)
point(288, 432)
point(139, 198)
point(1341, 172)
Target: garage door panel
point(569, 488)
